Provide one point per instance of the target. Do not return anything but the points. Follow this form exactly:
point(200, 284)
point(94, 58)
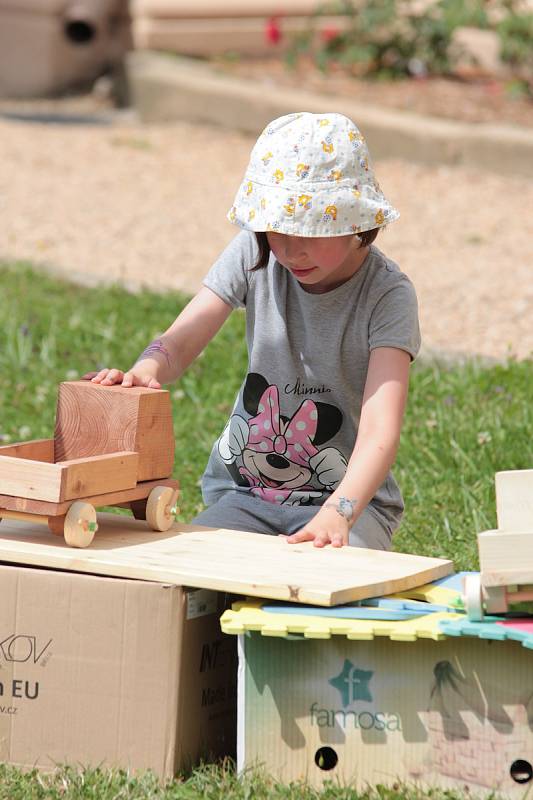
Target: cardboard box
point(451, 713)
point(112, 672)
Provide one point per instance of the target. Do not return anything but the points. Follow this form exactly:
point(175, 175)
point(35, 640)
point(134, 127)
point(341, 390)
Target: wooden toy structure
point(111, 447)
point(505, 554)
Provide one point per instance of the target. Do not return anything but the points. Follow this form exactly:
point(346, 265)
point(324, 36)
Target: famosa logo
point(352, 684)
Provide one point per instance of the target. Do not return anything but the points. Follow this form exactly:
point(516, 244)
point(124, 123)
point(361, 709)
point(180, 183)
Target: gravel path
point(146, 205)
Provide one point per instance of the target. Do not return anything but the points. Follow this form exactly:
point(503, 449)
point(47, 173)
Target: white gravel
point(146, 205)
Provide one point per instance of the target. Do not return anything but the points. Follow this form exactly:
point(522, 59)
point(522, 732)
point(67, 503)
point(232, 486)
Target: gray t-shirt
point(294, 423)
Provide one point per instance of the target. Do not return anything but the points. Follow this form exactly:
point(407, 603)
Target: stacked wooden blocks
point(505, 554)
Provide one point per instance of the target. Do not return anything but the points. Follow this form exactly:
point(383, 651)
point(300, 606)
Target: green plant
point(397, 38)
point(389, 38)
point(516, 47)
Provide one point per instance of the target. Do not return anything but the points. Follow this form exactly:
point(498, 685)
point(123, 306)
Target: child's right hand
point(134, 377)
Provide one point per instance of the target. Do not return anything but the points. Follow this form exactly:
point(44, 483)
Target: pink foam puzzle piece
point(524, 625)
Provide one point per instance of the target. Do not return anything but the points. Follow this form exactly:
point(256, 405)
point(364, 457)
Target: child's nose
point(294, 247)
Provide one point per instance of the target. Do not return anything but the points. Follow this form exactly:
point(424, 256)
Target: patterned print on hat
point(311, 175)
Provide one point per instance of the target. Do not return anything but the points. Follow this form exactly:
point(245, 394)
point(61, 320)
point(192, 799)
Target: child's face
point(321, 263)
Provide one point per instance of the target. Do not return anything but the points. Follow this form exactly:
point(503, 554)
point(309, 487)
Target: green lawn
point(463, 423)
point(217, 782)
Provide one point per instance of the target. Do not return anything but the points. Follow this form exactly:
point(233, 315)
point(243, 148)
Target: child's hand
point(135, 377)
point(326, 527)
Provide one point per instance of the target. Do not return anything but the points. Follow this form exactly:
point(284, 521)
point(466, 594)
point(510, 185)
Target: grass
point(210, 782)
point(463, 423)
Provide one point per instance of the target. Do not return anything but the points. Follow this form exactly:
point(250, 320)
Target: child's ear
point(254, 387)
point(328, 424)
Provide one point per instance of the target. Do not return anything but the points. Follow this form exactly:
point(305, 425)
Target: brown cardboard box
point(112, 672)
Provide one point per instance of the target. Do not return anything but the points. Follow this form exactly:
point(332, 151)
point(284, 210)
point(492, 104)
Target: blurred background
point(124, 132)
point(48, 46)
point(125, 127)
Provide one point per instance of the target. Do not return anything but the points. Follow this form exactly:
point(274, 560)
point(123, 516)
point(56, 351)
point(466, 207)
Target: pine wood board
point(232, 561)
point(67, 480)
point(506, 557)
point(36, 449)
point(123, 497)
point(514, 500)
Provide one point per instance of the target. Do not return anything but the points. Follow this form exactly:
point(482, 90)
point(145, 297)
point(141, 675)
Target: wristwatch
point(344, 507)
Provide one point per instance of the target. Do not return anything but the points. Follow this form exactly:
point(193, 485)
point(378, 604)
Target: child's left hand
point(326, 527)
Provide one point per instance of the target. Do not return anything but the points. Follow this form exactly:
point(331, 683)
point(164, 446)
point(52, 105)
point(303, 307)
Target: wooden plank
point(506, 557)
point(233, 561)
point(39, 480)
point(514, 500)
point(154, 438)
point(140, 491)
point(24, 477)
point(82, 477)
point(37, 449)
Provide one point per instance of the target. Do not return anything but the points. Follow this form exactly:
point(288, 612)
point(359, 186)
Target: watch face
point(345, 508)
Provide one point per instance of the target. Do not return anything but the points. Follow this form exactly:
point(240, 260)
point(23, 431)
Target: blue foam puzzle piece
point(486, 630)
point(373, 608)
point(453, 582)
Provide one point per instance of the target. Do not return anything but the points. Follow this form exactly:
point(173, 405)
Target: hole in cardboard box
point(79, 31)
point(521, 771)
point(326, 758)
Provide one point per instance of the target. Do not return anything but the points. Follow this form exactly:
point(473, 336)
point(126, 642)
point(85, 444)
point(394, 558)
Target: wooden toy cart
point(505, 554)
point(111, 447)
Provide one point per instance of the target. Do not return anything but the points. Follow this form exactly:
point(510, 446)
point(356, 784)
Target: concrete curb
point(166, 88)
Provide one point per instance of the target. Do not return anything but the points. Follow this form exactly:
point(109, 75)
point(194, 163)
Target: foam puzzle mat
point(433, 611)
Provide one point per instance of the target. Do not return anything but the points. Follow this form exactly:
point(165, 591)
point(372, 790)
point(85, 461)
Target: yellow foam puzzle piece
point(249, 616)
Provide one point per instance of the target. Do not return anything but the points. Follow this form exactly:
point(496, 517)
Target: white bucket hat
point(310, 175)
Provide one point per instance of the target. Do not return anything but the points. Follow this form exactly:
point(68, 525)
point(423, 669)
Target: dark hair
point(367, 237)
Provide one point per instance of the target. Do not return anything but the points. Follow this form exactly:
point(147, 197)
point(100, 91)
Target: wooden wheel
point(138, 508)
point(473, 598)
point(80, 524)
point(161, 508)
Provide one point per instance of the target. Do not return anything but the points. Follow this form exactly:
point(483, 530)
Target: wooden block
point(225, 560)
point(116, 498)
point(55, 483)
point(23, 477)
point(38, 450)
point(514, 500)
point(88, 476)
point(95, 420)
point(506, 557)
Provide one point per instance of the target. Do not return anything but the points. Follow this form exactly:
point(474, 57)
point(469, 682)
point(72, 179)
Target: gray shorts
point(243, 511)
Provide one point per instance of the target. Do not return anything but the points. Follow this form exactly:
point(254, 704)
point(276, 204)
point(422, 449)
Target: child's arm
point(375, 450)
point(165, 360)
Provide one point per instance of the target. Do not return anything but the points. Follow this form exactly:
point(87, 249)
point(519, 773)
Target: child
point(331, 328)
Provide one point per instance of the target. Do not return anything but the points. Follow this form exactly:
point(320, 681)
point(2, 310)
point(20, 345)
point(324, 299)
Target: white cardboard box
point(434, 713)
